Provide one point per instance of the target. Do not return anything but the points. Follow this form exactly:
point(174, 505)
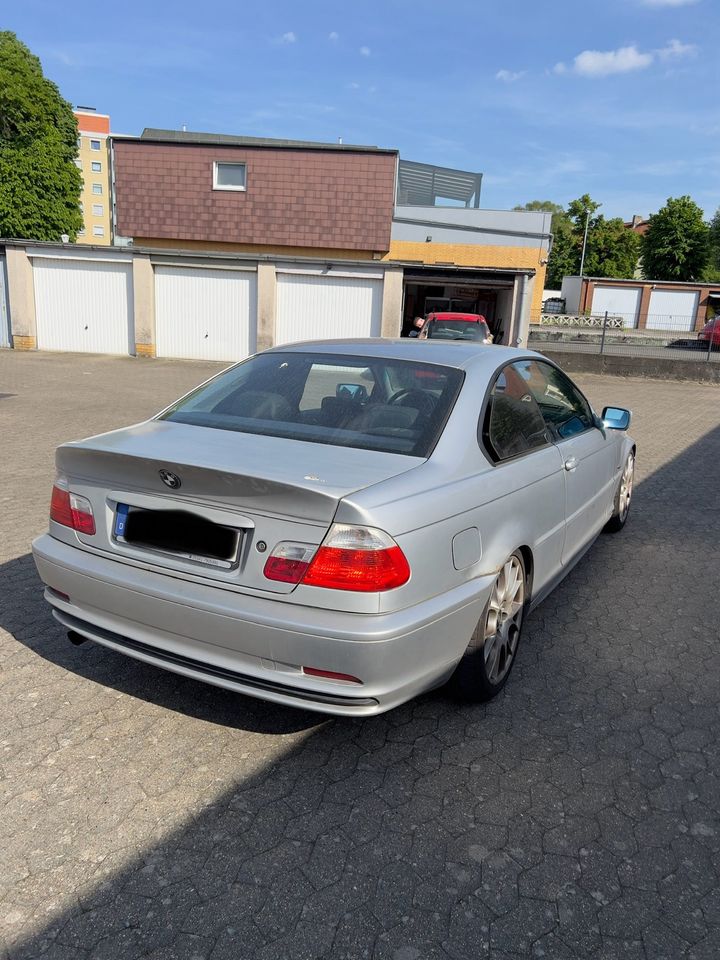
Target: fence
point(669, 337)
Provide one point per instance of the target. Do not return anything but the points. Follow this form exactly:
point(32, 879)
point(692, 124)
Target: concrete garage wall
point(384, 316)
point(656, 368)
point(24, 265)
point(21, 299)
point(4, 309)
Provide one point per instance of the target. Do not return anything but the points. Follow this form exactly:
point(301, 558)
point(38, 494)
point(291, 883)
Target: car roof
point(467, 317)
point(449, 353)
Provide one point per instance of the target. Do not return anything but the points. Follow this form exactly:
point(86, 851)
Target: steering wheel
point(422, 401)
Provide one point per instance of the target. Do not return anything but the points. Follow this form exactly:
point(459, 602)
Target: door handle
point(570, 464)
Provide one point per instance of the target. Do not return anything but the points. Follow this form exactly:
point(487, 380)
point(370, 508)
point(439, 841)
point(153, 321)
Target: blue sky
point(618, 98)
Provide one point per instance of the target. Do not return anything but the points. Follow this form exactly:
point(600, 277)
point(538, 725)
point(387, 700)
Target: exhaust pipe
point(76, 638)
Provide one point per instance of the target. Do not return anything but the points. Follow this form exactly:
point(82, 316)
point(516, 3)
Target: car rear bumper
point(258, 646)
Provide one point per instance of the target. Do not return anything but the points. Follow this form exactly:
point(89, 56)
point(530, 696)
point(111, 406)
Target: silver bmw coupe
point(338, 525)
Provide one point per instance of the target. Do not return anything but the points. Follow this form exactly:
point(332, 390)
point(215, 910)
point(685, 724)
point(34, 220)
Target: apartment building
point(94, 162)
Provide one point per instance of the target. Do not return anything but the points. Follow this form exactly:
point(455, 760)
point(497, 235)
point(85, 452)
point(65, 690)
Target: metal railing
point(662, 335)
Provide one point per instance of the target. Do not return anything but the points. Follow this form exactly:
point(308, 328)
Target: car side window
point(513, 423)
point(564, 409)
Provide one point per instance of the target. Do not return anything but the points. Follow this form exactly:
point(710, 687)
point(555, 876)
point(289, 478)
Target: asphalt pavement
point(576, 816)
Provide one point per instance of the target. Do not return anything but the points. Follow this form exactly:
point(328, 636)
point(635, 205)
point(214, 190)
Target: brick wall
point(299, 198)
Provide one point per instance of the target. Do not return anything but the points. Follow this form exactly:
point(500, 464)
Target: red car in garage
point(456, 326)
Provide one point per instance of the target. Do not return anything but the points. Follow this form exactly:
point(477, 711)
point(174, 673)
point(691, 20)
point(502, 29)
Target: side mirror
point(616, 418)
point(351, 391)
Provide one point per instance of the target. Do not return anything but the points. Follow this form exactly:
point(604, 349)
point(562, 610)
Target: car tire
point(623, 496)
point(486, 664)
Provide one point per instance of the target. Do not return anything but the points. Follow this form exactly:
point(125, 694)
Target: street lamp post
point(582, 258)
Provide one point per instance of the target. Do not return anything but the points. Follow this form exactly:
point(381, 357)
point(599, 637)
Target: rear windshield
point(396, 406)
point(456, 330)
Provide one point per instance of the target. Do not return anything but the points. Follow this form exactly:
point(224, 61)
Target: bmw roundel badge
point(170, 479)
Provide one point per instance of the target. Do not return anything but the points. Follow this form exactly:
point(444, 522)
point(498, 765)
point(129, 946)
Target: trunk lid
point(268, 488)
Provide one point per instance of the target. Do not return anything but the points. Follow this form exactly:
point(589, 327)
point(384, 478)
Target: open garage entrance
point(490, 293)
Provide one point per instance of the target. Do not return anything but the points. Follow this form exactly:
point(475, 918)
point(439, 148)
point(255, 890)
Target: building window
point(97, 188)
point(229, 176)
point(98, 231)
point(96, 166)
point(82, 207)
point(78, 164)
point(97, 209)
point(81, 232)
point(94, 144)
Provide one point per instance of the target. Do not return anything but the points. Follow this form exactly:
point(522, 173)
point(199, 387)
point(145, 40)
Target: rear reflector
point(330, 675)
point(59, 594)
point(70, 510)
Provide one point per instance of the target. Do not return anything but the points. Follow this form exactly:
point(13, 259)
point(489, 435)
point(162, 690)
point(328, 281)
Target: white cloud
point(674, 48)
point(286, 38)
point(602, 63)
point(354, 86)
point(334, 35)
point(668, 3)
point(365, 51)
point(509, 76)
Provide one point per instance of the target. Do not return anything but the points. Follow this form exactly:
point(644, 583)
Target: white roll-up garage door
point(205, 314)
point(619, 301)
point(83, 306)
point(672, 310)
point(319, 307)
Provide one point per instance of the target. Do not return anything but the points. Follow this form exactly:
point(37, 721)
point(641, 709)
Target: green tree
point(564, 260)
point(545, 206)
point(562, 255)
point(712, 270)
point(612, 249)
point(676, 245)
point(39, 182)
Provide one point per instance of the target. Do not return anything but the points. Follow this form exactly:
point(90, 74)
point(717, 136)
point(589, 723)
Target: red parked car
point(456, 326)
point(711, 331)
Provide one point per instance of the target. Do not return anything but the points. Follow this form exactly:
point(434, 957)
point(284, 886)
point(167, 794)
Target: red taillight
point(363, 570)
point(71, 510)
point(288, 562)
point(330, 675)
point(60, 510)
point(350, 558)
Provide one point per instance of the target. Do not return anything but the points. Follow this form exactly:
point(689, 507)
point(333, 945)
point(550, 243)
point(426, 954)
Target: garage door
point(619, 302)
point(83, 306)
point(205, 314)
point(318, 307)
point(672, 310)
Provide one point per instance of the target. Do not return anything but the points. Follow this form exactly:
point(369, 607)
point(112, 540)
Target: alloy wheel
point(626, 487)
point(503, 621)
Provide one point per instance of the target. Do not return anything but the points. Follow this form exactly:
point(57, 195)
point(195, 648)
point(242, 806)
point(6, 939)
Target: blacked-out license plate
point(178, 533)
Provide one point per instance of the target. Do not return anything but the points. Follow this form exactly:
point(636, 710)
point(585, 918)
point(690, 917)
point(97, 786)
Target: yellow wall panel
point(475, 255)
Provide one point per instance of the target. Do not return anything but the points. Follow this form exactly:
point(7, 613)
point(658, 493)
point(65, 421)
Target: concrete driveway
point(146, 815)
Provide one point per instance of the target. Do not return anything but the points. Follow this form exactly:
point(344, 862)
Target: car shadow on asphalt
point(26, 615)
point(447, 830)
